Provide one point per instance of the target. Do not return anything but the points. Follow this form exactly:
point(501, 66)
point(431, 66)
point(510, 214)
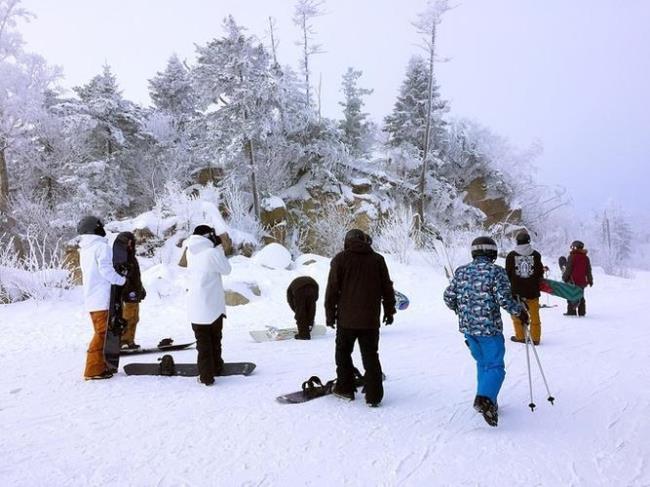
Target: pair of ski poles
point(529, 343)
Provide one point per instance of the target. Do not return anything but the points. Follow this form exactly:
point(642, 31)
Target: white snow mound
point(273, 256)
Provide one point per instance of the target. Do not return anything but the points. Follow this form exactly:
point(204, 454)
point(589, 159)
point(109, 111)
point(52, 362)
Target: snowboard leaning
point(190, 370)
point(160, 348)
point(116, 323)
point(272, 334)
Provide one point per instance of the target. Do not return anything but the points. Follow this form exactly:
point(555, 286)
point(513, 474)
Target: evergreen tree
point(408, 120)
point(354, 125)
point(172, 92)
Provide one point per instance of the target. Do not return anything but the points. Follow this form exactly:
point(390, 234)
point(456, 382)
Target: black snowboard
point(160, 348)
point(313, 388)
point(190, 370)
point(116, 323)
point(562, 262)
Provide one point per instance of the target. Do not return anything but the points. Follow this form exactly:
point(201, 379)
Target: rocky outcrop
point(496, 209)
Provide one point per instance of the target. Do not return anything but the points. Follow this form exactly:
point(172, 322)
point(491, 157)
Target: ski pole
point(539, 364)
point(530, 378)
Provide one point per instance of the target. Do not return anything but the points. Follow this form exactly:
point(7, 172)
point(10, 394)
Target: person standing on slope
point(302, 295)
point(206, 263)
point(357, 285)
point(475, 294)
point(98, 274)
point(132, 293)
point(525, 271)
point(578, 272)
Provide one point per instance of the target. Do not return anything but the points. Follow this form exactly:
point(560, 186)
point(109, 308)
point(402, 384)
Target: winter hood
point(524, 249)
point(197, 244)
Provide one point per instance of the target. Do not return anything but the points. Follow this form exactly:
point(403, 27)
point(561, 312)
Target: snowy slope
point(60, 430)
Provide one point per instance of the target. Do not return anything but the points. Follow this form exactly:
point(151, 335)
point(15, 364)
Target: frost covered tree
point(614, 246)
point(305, 12)
point(234, 87)
point(427, 25)
point(172, 92)
point(355, 126)
point(24, 79)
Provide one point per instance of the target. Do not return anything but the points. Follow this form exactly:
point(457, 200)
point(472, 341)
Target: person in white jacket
point(206, 263)
point(98, 274)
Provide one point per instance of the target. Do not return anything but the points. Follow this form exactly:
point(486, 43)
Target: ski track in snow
point(60, 430)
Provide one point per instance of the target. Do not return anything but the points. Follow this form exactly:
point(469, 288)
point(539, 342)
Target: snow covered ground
point(59, 430)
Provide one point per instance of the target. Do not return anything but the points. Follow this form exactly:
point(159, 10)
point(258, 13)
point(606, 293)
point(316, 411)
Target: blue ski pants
point(488, 351)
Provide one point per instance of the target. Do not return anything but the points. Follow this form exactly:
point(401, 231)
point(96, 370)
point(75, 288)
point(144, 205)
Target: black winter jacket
point(525, 271)
point(296, 288)
point(133, 290)
point(357, 285)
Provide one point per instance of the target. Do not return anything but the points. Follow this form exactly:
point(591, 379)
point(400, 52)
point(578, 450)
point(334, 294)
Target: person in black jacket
point(132, 293)
point(357, 285)
point(302, 295)
point(525, 271)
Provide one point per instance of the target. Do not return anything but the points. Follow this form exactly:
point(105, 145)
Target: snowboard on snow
point(165, 345)
point(116, 323)
point(570, 292)
point(313, 388)
point(188, 370)
point(272, 334)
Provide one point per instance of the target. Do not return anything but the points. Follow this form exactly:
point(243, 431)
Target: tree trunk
point(256, 201)
point(427, 134)
point(4, 182)
point(306, 59)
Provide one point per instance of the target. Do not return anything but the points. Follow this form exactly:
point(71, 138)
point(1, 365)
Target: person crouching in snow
point(132, 293)
point(206, 263)
point(475, 294)
point(98, 274)
point(302, 295)
point(525, 271)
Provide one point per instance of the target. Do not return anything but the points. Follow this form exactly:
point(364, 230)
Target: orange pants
point(535, 322)
point(95, 363)
point(131, 314)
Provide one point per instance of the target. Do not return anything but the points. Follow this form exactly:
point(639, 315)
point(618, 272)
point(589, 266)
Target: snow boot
point(517, 340)
point(298, 336)
point(107, 374)
point(338, 392)
point(488, 409)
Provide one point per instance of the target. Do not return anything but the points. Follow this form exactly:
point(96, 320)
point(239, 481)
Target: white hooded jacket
point(96, 259)
point(205, 264)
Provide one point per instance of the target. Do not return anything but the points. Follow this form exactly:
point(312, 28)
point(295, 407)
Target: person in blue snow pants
point(476, 294)
point(488, 351)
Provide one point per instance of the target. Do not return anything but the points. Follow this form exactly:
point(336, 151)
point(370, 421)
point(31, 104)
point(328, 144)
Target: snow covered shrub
point(397, 234)
point(239, 209)
point(329, 229)
point(40, 274)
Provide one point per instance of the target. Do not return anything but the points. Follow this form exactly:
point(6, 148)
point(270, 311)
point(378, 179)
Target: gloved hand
point(143, 294)
point(330, 324)
point(122, 270)
point(388, 319)
point(523, 317)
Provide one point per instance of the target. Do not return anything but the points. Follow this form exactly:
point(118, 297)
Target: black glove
point(523, 317)
point(388, 319)
point(214, 238)
point(330, 324)
point(122, 270)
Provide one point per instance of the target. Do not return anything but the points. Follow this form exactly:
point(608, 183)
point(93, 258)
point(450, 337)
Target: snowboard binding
point(165, 342)
point(167, 367)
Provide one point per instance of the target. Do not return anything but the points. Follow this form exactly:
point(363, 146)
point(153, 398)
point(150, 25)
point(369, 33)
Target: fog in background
point(572, 75)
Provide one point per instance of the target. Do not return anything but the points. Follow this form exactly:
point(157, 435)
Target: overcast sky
point(573, 74)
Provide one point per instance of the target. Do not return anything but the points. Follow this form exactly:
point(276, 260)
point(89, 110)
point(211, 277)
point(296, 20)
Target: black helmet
point(484, 246)
point(577, 244)
point(357, 235)
point(523, 237)
point(91, 225)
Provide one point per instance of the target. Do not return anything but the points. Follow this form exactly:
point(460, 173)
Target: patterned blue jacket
point(476, 292)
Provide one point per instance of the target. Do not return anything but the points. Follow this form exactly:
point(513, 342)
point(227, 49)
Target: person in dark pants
point(357, 286)
point(133, 293)
point(578, 272)
point(302, 295)
point(206, 263)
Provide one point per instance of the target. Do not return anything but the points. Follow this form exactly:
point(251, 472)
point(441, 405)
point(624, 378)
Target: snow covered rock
point(273, 256)
point(233, 298)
